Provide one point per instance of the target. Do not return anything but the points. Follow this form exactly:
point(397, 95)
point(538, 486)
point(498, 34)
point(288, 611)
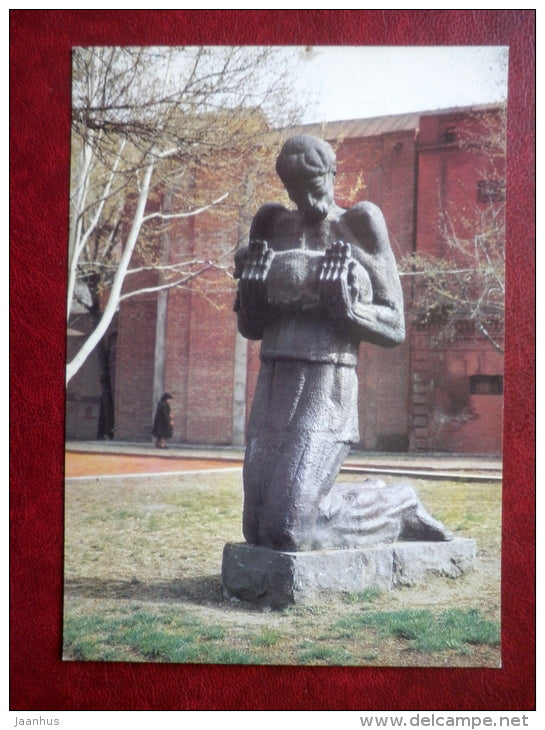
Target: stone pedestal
point(276, 579)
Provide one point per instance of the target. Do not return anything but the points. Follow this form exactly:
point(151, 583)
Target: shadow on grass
point(206, 588)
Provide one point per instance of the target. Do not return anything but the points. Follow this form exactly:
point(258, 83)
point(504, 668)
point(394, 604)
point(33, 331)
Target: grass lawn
point(142, 583)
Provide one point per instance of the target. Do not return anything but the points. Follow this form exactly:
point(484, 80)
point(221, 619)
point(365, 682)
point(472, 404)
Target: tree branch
point(168, 216)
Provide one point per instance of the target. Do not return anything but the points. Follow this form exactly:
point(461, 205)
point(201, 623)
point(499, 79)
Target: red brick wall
point(381, 169)
point(200, 332)
point(449, 171)
point(210, 371)
point(177, 359)
point(455, 152)
point(445, 415)
point(134, 369)
point(383, 403)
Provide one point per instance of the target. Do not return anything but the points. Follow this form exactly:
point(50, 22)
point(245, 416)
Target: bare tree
point(462, 291)
point(142, 119)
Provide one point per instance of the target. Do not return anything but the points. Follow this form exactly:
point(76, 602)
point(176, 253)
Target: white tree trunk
point(115, 292)
point(77, 205)
point(79, 236)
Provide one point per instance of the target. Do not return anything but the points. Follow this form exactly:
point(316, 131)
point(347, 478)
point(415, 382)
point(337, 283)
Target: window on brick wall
point(489, 191)
point(486, 384)
point(449, 135)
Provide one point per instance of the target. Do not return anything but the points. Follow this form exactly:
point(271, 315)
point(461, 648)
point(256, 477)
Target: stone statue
point(313, 283)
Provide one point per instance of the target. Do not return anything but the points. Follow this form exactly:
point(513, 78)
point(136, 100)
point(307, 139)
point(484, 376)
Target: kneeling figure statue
point(312, 284)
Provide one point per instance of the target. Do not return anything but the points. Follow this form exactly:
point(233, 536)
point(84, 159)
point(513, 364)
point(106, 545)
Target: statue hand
point(335, 279)
point(258, 261)
point(254, 273)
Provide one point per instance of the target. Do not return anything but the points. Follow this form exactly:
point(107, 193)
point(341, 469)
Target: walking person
point(163, 423)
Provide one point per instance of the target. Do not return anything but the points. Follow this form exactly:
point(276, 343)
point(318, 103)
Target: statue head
point(306, 166)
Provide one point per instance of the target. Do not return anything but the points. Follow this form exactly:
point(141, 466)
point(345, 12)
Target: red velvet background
point(40, 126)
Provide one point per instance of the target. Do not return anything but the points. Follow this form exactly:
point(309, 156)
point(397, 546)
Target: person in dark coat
point(162, 423)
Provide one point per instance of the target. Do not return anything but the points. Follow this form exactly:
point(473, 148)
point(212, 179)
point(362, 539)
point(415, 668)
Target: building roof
point(375, 126)
point(371, 127)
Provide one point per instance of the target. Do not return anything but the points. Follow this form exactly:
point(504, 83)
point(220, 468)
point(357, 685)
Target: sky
point(351, 82)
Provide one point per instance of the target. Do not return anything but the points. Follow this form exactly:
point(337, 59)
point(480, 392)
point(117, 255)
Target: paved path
point(82, 464)
point(100, 458)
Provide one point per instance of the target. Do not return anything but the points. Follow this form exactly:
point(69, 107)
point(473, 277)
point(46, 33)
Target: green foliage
point(168, 636)
point(311, 653)
point(369, 595)
point(171, 635)
point(453, 629)
point(268, 637)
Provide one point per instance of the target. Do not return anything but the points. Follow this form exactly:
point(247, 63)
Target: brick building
point(419, 396)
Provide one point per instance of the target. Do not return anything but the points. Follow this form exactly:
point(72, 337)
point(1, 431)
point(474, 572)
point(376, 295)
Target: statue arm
point(380, 324)
point(249, 326)
point(378, 318)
